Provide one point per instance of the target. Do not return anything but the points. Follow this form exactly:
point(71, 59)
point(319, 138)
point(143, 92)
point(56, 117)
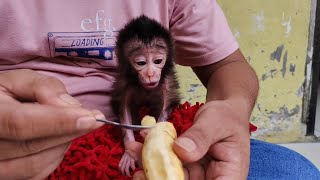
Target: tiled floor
point(310, 150)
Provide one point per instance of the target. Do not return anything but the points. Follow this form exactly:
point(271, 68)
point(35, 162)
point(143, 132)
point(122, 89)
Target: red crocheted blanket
point(96, 155)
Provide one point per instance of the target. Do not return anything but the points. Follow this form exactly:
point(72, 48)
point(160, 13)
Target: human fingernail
point(186, 144)
point(98, 115)
point(85, 122)
point(69, 99)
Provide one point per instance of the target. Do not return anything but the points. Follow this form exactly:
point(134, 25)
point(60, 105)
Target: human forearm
point(220, 128)
point(235, 82)
point(232, 80)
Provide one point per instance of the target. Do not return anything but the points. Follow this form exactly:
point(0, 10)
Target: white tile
point(317, 133)
point(309, 150)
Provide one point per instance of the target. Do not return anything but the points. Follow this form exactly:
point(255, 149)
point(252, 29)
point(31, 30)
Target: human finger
point(186, 174)
point(30, 166)
point(139, 175)
point(27, 121)
point(13, 149)
point(7, 99)
point(49, 169)
point(32, 86)
point(193, 144)
point(18, 148)
point(231, 159)
point(195, 171)
point(207, 129)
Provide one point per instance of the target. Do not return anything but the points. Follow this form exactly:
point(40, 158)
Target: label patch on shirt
point(89, 48)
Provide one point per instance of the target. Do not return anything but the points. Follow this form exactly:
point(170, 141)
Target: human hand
point(217, 146)
point(38, 121)
point(131, 156)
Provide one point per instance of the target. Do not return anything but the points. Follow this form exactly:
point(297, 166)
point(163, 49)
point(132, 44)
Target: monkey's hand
point(131, 157)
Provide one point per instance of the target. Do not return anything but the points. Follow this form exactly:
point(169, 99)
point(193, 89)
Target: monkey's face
point(148, 61)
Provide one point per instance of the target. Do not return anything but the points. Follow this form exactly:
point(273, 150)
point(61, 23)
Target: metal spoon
point(132, 127)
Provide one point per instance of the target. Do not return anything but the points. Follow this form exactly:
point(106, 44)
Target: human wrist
point(233, 105)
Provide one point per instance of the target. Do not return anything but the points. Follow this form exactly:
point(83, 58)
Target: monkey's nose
point(150, 72)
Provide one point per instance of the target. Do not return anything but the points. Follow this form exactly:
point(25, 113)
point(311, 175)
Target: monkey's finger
point(128, 166)
point(132, 165)
point(124, 163)
point(144, 133)
point(33, 86)
point(121, 162)
point(126, 169)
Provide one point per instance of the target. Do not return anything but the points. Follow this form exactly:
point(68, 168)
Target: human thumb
point(195, 142)
point(192, 145)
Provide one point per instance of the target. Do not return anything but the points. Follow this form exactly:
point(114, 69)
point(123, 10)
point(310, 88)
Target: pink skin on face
point(148, 62)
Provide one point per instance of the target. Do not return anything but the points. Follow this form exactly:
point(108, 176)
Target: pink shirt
point(73, 40)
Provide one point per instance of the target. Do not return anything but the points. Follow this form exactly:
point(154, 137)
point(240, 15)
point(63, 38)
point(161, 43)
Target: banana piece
point(148, 121)
point(158, 158)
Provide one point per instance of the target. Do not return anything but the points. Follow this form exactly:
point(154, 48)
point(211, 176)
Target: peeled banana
point(158, 158)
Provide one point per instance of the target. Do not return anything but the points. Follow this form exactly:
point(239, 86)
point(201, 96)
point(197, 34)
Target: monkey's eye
point(141, 63)
point(158, 61)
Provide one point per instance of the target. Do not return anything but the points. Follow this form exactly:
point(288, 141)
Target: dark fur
point(146, 30)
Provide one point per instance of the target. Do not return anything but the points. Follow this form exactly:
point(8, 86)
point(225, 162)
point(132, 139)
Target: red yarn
point(253, 128)
point(96, 155)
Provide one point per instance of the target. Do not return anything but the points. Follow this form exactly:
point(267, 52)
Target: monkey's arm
point(126, 118)
point(231, 79)
point(165, 111)
point(132, 148)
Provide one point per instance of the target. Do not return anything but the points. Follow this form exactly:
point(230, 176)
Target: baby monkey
point(145, 51)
